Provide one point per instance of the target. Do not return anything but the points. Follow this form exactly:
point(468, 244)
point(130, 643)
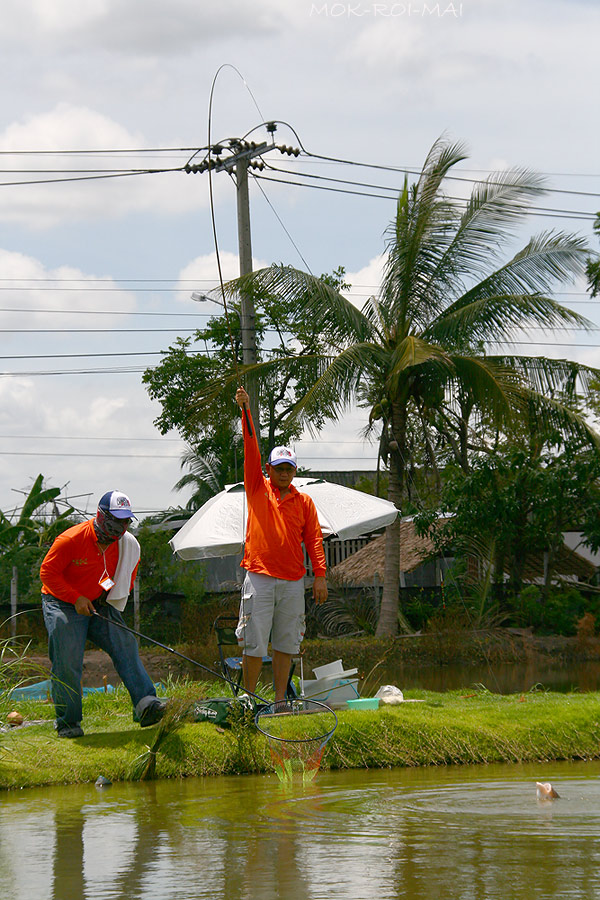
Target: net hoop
point(290, 711)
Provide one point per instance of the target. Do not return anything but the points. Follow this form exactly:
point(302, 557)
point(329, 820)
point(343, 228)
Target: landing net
point(298, 732)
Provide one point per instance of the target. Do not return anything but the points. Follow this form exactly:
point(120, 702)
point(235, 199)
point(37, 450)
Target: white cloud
point(366, 282)
point(35, 293)
point(147, 27)
point(101, 432)
point(67, 128)
point(95, 421)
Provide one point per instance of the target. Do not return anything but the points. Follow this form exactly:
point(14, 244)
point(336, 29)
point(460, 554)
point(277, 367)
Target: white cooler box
point(333, 684)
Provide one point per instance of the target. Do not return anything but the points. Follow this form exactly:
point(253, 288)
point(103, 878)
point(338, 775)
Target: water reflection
point(500, 678)
point(469, 832)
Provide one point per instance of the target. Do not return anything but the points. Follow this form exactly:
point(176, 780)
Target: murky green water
point(469, 832)
point(500, 678)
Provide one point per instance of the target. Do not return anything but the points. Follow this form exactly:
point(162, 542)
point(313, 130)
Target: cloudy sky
point(96, 273)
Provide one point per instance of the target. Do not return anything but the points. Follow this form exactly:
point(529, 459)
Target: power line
point(93, 355)
point(113, 370)
point(112, 280)
point(96, 331)
point(103, 312)
point(95, 438)
point(101, 152)
point(139, 455)
point(395, 190)
point(179, 330)
point(90, 455)
point(87, 177)
point(278, 217)
point(580, 216)
point(415, 170)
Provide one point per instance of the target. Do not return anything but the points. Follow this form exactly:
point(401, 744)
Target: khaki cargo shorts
point(271, 607)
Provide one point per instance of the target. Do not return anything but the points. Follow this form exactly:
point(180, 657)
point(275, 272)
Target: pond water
point(461, 832)
point(500, 678)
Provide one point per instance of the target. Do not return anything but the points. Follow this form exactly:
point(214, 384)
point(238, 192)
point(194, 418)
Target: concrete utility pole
point(247, 311)
point(13, 601)
point(238, 162)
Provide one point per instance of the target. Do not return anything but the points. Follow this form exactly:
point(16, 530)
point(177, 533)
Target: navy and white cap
point(117, 504)
point(280, 455)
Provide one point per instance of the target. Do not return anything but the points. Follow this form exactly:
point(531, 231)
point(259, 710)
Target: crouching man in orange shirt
point(280, 520)
point(92, 565)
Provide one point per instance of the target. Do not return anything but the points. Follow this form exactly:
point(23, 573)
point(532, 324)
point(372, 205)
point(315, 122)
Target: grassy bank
point(451, 728)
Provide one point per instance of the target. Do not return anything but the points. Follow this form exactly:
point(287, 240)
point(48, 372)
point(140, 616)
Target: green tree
point(24, 538)
point(446, 299)
point(214, 455)
point(514, 505)
point(593, 265)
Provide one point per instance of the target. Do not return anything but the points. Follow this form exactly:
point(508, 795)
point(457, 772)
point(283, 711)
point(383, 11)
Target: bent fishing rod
point(194, 662)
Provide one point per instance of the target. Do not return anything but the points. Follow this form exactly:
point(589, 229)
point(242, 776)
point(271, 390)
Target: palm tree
point(203, 475)
point(446, 300)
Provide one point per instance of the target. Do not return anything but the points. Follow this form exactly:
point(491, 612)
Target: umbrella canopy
point(219, 527)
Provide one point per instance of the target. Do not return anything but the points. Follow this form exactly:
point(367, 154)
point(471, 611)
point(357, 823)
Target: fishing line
point(213, 218)
point(269, 716)
point(188, 659)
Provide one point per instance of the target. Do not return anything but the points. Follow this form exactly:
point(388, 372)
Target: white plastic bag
point(389, 693)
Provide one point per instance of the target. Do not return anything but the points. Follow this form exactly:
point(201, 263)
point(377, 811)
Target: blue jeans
point(67, 633)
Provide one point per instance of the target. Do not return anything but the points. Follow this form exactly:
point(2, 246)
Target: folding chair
point(231, 666)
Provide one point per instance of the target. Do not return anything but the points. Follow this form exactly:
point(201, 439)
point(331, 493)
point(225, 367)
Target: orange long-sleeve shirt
point(74, 564)
point(277, 527)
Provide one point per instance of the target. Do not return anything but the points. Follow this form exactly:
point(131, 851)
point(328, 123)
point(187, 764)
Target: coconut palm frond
point(418, 238)
point(495, 205)
point(549, 416)
point(442, 157)
point(203, 469)
point(341, 378)
point(377, 314)
point(546, 260)
point(331, 312)
point(411, 354)
point(500, 317)
point(492, 387)
point(552, 376)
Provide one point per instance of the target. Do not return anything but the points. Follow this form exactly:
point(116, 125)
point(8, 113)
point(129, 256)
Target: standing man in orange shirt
point(280, 520)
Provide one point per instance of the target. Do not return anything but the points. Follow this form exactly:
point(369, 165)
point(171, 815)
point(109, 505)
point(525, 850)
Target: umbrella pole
point(194, 662)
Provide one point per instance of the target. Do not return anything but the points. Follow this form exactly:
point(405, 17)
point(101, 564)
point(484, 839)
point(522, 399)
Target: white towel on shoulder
point(129, 555)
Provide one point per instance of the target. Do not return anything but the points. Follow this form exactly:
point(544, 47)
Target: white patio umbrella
point(219, 527)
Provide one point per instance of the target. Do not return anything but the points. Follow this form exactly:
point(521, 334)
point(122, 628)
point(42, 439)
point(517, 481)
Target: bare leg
point(281, 672)
point(251, 666)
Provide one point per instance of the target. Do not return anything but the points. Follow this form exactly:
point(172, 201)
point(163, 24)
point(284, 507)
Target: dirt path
point(97, 664)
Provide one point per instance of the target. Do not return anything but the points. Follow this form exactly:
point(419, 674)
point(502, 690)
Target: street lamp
point(204, 298)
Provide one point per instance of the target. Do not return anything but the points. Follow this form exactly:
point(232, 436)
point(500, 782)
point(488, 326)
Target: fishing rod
point(194, 662)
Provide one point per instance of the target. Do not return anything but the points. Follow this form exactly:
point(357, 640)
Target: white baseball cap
point(280, 455)
point(117, 504)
